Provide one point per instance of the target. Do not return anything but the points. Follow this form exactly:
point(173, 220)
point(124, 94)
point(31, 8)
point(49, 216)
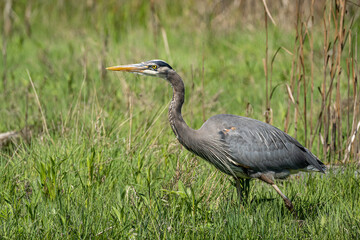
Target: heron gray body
point(249, 148)
point(239, 146)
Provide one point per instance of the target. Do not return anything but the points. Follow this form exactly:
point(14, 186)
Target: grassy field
point(96, 158)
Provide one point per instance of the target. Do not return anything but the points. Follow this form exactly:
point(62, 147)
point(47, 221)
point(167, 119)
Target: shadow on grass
point(303, 209)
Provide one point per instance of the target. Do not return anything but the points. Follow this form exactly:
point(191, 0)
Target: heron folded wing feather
point(258, 146)
point(261, 154)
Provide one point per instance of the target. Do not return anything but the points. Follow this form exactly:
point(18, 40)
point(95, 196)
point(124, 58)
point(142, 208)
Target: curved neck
point(181, 130)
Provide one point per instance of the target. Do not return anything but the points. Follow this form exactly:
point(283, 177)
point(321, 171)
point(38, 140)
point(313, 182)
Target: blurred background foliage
point(291, 48)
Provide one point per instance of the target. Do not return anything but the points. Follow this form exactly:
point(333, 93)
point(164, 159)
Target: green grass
point(107, 164)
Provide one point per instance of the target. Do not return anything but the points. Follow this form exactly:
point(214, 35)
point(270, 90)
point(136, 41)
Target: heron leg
point(242, 188)
point(287, 201)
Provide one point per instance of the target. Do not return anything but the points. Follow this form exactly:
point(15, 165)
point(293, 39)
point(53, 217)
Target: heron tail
point(315, 163)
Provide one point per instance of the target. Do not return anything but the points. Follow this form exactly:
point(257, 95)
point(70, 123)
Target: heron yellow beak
point(139, 67)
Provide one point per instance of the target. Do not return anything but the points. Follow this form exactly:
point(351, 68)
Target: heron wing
point(259, 146)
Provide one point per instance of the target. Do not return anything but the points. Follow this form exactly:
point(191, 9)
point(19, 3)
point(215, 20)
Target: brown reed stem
point(265, 63)
point(310, 34)
point(303, 77)
point(323, 104)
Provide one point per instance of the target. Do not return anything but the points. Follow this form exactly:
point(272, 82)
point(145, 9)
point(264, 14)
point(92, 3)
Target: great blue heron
point(242, 147)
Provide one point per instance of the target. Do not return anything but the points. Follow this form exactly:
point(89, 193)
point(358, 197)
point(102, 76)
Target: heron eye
point(154, 67)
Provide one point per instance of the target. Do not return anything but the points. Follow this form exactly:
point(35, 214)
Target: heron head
point(155, 68)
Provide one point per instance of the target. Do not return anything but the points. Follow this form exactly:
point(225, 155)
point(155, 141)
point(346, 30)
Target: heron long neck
point(182, 131)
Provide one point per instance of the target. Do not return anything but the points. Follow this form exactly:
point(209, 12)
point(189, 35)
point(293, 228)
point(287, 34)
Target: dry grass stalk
point(27, 18)
point(348, 88)
point(265, 63)
point(7, 18)
point(45, 128)
point(154, 26)
point(351, 142)
point(4, 55)
point(341, 43)
point(310, 34)
point(102, 65)
point(324, 109)
point(166, 44)
point(268, 12)
point(7, 29)
point(302, 73)
point(290, 88)
point(296, 67)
